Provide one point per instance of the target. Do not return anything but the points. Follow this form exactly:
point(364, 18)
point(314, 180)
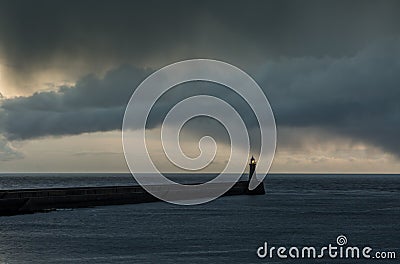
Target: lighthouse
point(252, 165)
point(260, 187)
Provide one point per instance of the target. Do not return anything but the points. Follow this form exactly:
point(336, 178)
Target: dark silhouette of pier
point(26, 201)
point(13, 202)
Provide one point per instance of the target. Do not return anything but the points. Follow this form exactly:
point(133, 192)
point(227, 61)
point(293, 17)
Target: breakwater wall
point(26, 201)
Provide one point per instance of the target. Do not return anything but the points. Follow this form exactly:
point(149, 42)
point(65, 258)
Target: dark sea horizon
point(298, 210)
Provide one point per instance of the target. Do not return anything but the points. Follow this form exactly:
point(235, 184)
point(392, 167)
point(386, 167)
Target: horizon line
point(94, 172)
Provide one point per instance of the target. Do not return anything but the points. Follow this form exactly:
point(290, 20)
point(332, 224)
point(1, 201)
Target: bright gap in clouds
point(102, 152)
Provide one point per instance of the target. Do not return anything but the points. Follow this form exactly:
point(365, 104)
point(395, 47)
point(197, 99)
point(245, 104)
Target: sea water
point(298, 210)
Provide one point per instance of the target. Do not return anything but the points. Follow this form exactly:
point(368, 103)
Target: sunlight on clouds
point(102, 152)
point(335, 157)
point(48, 80)
point(95, 152)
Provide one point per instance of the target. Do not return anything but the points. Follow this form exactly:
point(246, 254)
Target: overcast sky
point(329, 68)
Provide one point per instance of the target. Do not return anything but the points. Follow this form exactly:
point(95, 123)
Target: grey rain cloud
point(332, 65)
point(35, 35)
point(92, 105)
point(356, 97)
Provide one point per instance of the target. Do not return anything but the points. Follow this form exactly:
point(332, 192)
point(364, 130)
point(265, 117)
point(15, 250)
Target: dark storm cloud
point(92, 105)
point(38, 34)
point(356, 97)
point(327, 64)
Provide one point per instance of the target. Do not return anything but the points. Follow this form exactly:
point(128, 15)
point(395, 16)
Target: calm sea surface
point(298, 210)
